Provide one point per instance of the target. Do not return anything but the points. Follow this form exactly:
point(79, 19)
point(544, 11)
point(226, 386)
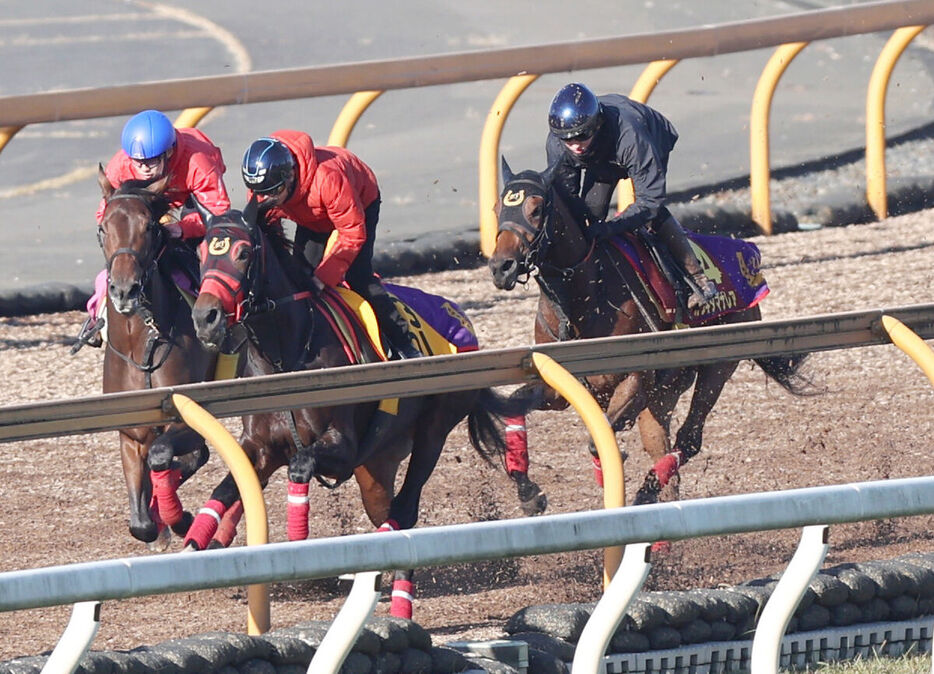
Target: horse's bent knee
point(161, 454)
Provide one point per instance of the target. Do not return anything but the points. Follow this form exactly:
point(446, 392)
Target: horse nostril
point(213, 316)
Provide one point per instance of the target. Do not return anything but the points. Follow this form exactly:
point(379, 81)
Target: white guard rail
point(301, 560)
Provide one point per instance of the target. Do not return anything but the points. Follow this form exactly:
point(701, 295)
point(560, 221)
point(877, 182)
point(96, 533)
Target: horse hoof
point(191, 546)
point(161, 542)
point(181, 527)
point(215, 545)
point(645, 497)
point(535, 505)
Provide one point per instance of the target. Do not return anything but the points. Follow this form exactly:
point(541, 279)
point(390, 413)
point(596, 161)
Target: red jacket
point(333, 187)
point(196, 167)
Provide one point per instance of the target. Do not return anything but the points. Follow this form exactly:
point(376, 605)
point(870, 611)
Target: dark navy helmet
point(267, 165)
point(574, 112)
point(147, 135)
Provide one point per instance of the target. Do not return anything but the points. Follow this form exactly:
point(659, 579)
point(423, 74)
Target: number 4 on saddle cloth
point(732, 264)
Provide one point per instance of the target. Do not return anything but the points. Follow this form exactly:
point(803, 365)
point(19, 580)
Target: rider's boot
point(395, 327)
point(705, 291)
point(90, 334)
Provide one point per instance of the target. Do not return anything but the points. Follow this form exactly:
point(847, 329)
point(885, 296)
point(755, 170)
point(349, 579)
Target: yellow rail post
point(759, 133)
point(188, 119)
point(7, 133)
point(489, 159)
point(908, 341)
point(641, 90)
point(355, 106)
point(604, 439)
point(251, 494)
point(876, 195)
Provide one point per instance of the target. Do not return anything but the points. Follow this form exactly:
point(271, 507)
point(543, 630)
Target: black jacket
point(634, 141)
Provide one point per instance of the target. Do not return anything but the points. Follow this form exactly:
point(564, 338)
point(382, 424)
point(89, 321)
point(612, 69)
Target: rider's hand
point(599, 230)
point(173, 229)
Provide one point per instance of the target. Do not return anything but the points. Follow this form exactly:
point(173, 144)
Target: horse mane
point(158, 203)
point(282, 246)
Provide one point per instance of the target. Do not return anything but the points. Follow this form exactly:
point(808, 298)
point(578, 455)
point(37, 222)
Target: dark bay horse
point(150, 343)
point(591, 289)
point(254, 294)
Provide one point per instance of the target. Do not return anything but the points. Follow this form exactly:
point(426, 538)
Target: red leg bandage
point(597, 470)
point(388, 525)
point(403, 592)
point(227, 529)
point(667, 467)
point(517, 445)
point(165, 491)
point(297, 510)
point(205, 524)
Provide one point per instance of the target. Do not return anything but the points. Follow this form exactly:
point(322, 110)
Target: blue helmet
point(575, 111)
point(147, 135)
point(267, 165)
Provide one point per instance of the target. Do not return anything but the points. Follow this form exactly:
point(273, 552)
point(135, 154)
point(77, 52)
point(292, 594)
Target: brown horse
point(591, 289)
point(255, 294)
point(150, 343)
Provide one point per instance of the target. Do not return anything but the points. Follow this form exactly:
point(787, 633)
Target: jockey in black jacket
point(597, 141)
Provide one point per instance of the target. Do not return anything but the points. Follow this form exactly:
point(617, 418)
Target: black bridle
point(147, 261)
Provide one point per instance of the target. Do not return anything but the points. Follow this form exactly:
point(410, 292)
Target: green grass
point(908, 664)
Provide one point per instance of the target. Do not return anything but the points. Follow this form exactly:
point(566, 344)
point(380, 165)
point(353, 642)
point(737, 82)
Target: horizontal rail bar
point(457, 67)
point(451, 544)
point(460, 372)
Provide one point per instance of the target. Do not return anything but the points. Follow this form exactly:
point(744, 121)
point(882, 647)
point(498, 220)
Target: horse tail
point(786, 370)
point(485, 424)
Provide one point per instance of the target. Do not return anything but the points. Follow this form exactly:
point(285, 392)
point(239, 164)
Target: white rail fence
point(418, 548)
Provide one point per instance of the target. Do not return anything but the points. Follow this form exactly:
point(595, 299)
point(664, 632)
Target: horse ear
point(508, 175)
point(107, 189)
point(205, 214)
point(251, 212)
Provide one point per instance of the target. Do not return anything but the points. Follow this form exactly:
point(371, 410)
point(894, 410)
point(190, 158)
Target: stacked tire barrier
point(847, 595)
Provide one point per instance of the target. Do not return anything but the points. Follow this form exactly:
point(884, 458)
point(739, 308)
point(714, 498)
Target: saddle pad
point(438, 324)
point(733, 265)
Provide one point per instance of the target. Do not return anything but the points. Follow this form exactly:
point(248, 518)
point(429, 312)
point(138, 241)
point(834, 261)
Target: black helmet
point(575, 111)
point(267, 165)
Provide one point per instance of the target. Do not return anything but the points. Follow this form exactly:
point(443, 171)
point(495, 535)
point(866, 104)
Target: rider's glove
point(599, 230)
point(171, 226)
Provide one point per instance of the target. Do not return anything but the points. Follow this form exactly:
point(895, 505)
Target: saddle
point(732, 264)
point(439, 325)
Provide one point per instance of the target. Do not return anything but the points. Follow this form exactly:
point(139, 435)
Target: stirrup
point(90, 334)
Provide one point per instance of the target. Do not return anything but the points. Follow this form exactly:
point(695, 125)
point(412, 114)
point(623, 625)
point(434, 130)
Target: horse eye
point(244, 254)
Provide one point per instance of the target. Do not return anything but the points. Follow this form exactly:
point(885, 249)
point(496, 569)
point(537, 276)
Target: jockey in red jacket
point(322, 190)
point(152, 148)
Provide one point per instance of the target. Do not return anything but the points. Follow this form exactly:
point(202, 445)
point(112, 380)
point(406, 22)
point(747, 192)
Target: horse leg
point(227, 529)
point(166, 473)
point(139, 490)
point(707, 389)
point(531, 498)
point(375, 479)
point(626, 402)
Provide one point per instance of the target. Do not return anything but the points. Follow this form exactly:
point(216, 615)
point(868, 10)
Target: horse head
point(525, 232)
point(227, 254)
point(130, 237)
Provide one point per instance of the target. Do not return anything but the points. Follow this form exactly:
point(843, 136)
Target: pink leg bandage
point(517, 445)
point(227, 529)
point(205, 524)
point(165, 492)
point(297, 522)
point(403, 592)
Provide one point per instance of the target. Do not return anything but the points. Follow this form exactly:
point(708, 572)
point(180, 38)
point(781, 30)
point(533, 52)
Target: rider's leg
point(90, 332)
point(361, 278)
point(673, 236)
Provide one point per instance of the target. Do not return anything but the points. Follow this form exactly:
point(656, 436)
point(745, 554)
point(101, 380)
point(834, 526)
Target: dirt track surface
point(63, 500)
